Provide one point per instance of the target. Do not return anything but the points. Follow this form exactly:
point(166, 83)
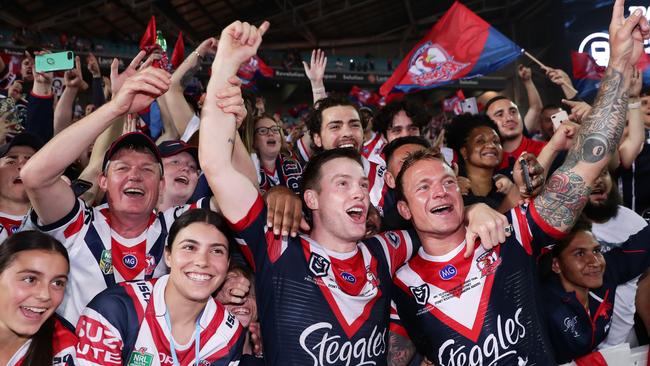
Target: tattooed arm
point(173, 102)
point(567, 190)
point(400, 350)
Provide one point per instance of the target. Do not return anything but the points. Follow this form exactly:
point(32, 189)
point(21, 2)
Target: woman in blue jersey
point(33, 274)
point(174, 319)
point(579, 286)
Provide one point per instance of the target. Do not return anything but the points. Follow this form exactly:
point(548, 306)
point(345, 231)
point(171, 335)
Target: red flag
point(149, 37)
point(460, 45)
point(179, 51)
point(248, 70)
point(453, 104)
point(364, 96)
point(585, 67)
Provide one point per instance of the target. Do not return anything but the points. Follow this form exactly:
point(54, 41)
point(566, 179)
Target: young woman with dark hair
point(33, 274)
point(579, 286)
point(175, 317)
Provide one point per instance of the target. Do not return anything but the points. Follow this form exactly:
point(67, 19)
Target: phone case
point(54, 61)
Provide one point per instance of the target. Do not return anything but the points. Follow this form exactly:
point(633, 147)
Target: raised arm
point(50, 196)
point(560, 78)
point(567, 191)
point(64, 108)
point(315, 72)
point(534, 100)
point(632, 144)
point(233, 191)
point(179, 110)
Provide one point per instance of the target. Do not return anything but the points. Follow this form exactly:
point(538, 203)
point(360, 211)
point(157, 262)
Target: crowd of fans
point(222, 235)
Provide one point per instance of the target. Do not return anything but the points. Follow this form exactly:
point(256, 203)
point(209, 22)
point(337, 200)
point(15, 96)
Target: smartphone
point(469, 106)
point(80, 186)
point(558, 118)
point(526, 175)
point(54, 61)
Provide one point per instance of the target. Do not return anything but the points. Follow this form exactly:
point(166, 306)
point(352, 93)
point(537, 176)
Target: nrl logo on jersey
point(431, 64)
point(420, 293)
point(318, 265)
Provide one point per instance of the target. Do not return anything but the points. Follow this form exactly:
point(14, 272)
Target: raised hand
point(636, 84)
point(208, 47)
point(316, 68)
point(140, 89)
point(626, 36)
point(535, 171)
point(579, 110)
point(73, 78)
point(558, 76)
point(239, 42)
point(230, 100)
point(525, 74)
point(117, 78)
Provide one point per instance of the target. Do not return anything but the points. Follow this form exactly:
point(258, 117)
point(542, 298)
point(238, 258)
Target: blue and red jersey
point(482, 310)
point(318, 307)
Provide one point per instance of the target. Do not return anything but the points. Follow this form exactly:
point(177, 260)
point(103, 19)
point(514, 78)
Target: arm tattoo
point(400, 350)
point(564, 197)
point(189, 74)
point(566, 192)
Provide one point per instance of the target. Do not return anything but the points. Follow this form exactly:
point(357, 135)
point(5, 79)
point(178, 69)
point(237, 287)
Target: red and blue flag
point(586, 74)
point(250, 70)
point(460, 45)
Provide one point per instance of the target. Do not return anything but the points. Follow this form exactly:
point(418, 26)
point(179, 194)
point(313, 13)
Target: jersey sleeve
point(67, 228)
point(530, 229)
point(64, 342)
point(398, 246)
point(258, 244)
point(108, 323)
point(630, 259)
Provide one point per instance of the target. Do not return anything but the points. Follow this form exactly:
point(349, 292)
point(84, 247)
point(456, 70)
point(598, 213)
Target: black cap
point(22, 139)
point(131, 139)
point(174, 147)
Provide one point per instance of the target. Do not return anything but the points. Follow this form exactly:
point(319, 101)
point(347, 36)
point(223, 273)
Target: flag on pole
point(586, 74)
point(179, 51)
point(149, 37)
point(460, 45)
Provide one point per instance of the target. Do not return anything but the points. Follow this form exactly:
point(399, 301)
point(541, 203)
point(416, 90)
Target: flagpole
point(544, 67)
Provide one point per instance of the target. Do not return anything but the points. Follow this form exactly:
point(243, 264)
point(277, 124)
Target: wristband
point(634, 105)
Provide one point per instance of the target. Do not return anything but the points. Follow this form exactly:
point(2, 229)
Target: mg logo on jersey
point(130, 261)
point(420, 293)
point(318, 265)
point(348, 277)
point(448, 272)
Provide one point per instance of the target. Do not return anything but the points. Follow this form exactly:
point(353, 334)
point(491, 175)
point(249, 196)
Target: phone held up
point(54, 61)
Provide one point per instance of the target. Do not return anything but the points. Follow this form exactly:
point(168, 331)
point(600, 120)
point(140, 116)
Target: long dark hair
point(40, 351)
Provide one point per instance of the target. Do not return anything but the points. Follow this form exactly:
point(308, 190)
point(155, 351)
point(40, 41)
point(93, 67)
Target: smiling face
point(506, 115)
point(401, 126)
point(32, 287)
point(181, 177)
point(267, 141)
point(482, 148)
point(340, 203)
point(433, 200)
point(341, 127)
point(11, 186)
point(581, 264)
point(198, 262)
point(132, 181)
